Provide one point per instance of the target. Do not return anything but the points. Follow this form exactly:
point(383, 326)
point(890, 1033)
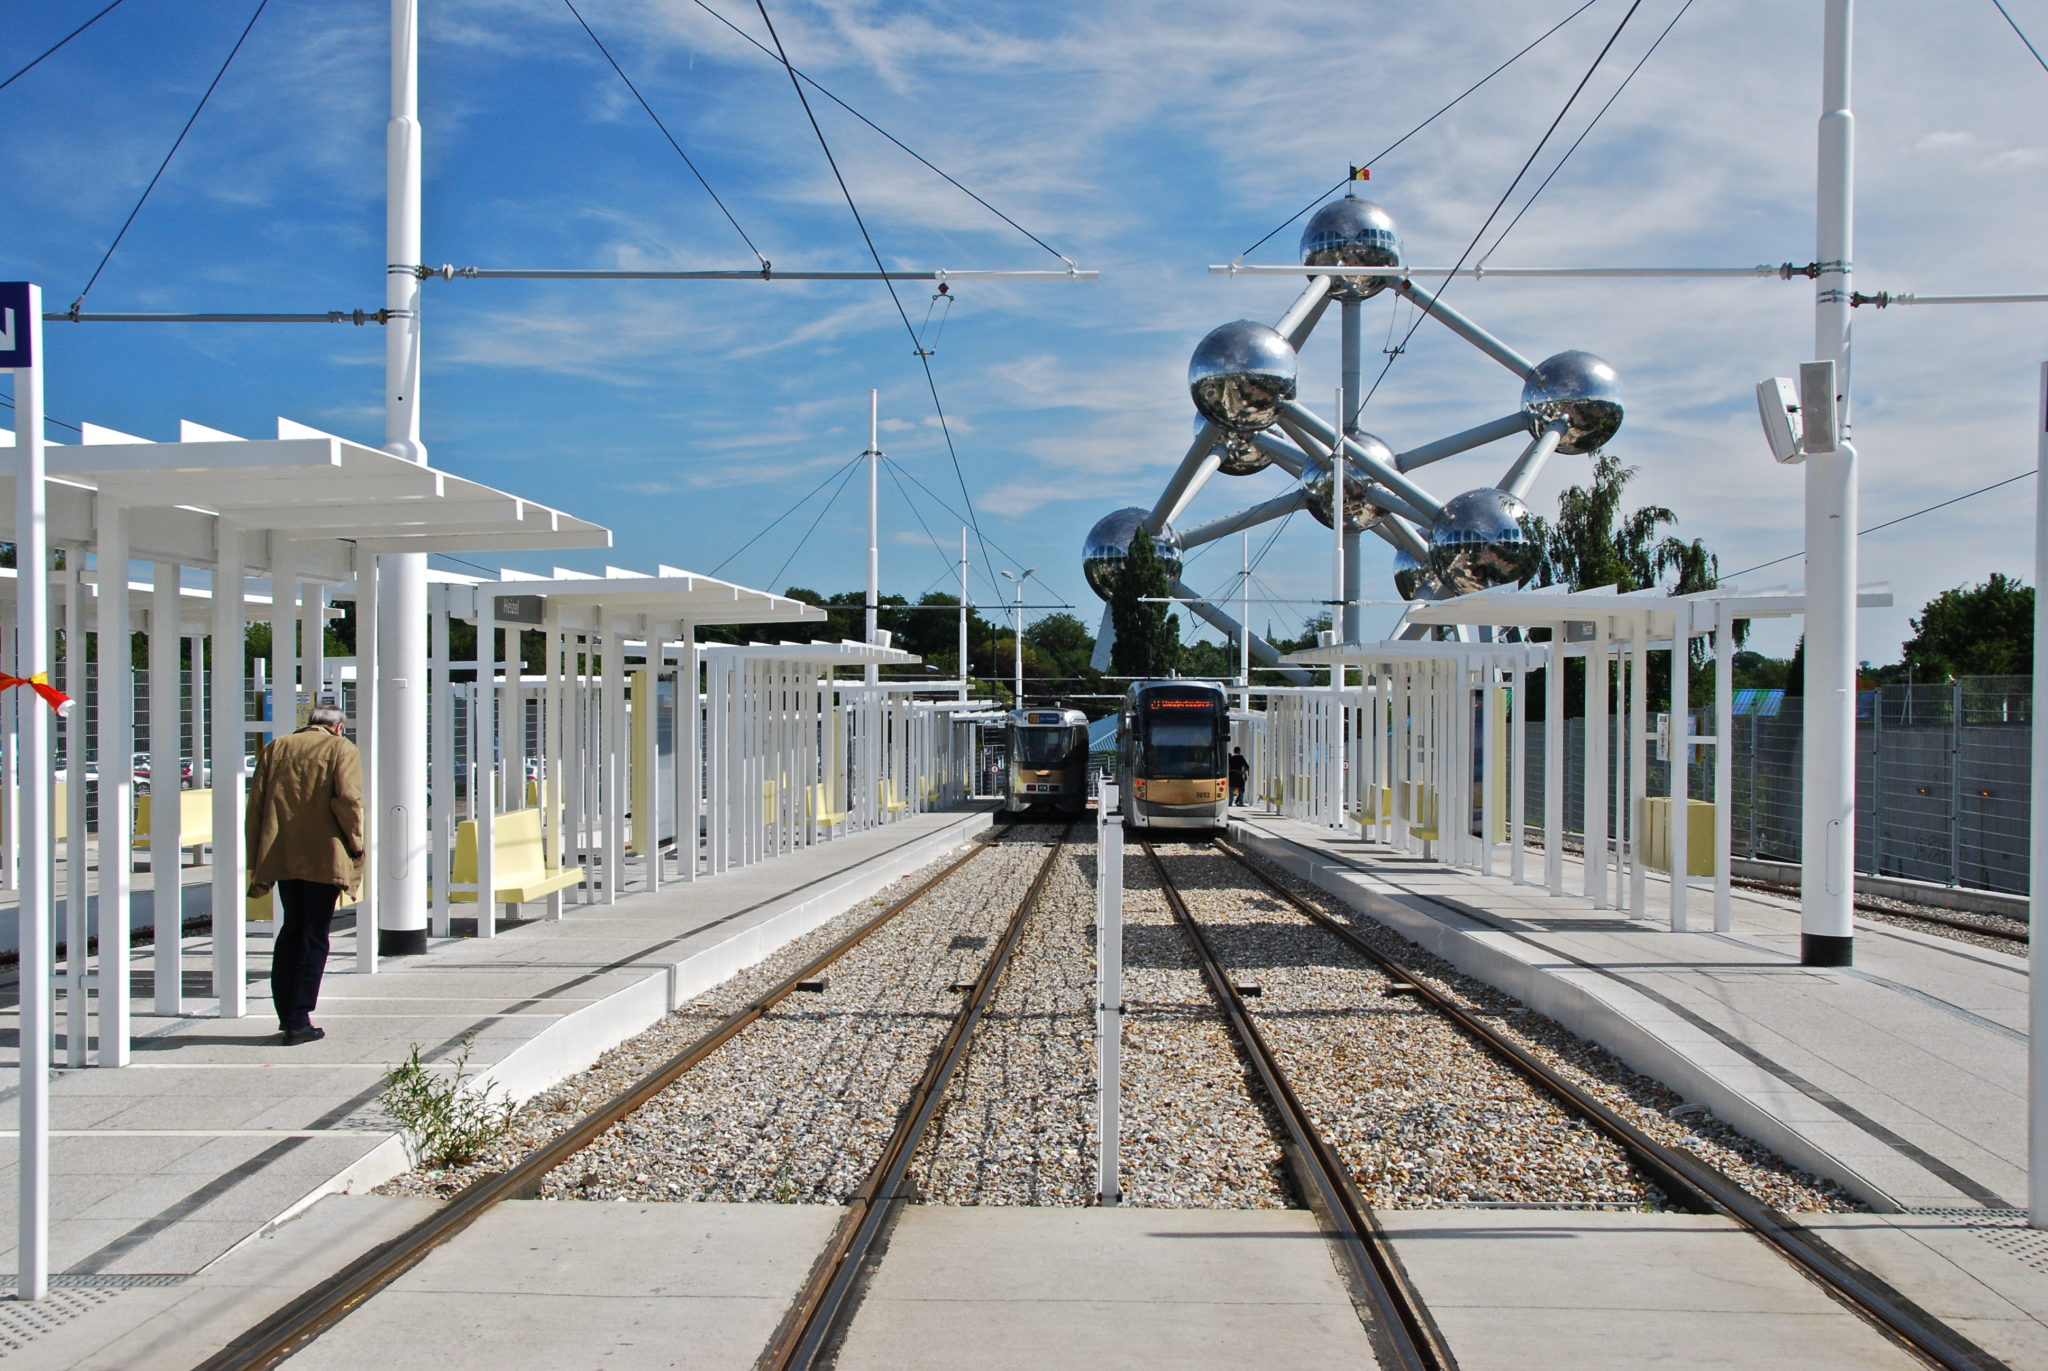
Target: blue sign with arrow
point(17, 335)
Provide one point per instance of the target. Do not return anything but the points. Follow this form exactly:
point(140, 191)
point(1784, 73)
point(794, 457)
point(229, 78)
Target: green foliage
point(1147, 635)
point(442, 1123)
point(1593, 543)
point(1981, 630)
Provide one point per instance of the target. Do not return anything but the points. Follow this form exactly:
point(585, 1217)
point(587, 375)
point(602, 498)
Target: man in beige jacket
point(305, 831)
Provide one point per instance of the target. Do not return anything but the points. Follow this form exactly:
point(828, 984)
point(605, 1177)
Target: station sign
point(17, 334)
point(517, 609)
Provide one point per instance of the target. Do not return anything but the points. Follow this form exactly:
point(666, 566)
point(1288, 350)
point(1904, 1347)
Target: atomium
point(1240, 374)
point(1352, 233)
point(1243, 378)
point(1359, 509)
point(1579, 391)
point(1236, 455)
point(1109, 542)
point(1481, 541)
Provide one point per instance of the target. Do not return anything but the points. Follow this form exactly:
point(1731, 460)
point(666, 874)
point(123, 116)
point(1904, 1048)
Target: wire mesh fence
point(1942, 780)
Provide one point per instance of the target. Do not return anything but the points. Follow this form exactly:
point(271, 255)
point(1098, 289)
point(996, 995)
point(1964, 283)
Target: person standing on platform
point(1240, 776)
point(305, 832)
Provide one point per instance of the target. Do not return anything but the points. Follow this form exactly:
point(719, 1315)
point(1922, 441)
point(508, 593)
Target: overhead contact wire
point(664, 132)
point(2001, 9)
point(931, 382)
point(180, 142)
point(1419, 127)
point(36, 61)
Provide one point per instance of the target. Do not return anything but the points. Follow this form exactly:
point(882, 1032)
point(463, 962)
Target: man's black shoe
point(296, 1037)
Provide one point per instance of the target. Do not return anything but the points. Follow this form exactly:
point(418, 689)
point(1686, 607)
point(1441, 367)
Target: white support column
point(2037, 853)
point(1109, 999)
point(1724, 767)
point(116, 690)
point(1681, 758)
point(366, 729)
point(284, 621)
point(441, 813)
point(1638, 768)
point(230, 743)
point(1518, 768)
point(1489, 765)
point(1553, 763)
point(483, 795)
point(167, 902)
point(1597, 766)
point(77, 916)
point(552, 746)
point(613, 762)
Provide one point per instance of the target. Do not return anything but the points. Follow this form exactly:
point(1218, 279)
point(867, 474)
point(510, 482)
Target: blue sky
point(1143, 138)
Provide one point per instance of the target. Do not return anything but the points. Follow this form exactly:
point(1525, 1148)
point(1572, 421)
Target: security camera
point(1777, 404)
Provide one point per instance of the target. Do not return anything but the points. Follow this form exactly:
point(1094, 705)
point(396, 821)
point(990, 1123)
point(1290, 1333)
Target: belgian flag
point(1360, 174)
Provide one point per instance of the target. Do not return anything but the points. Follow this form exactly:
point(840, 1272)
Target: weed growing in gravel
point(442, 1123)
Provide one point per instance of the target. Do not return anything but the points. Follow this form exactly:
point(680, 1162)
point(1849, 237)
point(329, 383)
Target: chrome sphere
point(1359, 508)
point(1102, 555)
point(1482, 540)
point(1413, 580)
point(1580, 389)
point(1235, 455)
point(1239, 375)
point(1352, 233)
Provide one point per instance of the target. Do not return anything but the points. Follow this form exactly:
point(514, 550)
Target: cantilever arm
point(1507, 426)
point(1469, 331)
point(1401, 534)
point(1287, 457)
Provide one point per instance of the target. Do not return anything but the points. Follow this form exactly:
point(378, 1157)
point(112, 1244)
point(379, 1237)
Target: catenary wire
point(46, 418)
point(1419, 127)
point(664, 131)
point(776, 579)
point(1583, 133)
point(1534, 153)
point(931, 382)
point(178, 143)
point(38, 58)
point(806, 499)
point(917, 513)
point(1874, 528)
point(2015, 28)
point(940, 502)
point(935, 169)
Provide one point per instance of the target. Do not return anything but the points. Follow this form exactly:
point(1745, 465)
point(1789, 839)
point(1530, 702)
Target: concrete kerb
point(1579, 1008)
point(576, 1040)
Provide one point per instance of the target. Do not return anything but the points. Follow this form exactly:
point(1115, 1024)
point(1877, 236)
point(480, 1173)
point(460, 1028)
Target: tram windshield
point(1043, 748)
point(1181, 740)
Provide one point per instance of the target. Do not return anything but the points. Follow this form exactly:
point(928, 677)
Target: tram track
point(1688, 1182)
point(314, 1311)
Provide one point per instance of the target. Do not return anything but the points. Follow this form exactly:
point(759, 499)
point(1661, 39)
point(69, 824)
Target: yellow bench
point(1420, 811)
point(1654, 828)
point(522, 872)
point(195, 819)
point(892, 803)
point(818, 805)
point(1364, 818)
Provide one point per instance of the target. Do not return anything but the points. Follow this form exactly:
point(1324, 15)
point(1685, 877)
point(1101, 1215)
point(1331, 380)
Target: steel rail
point(1403, 1333)
point(1686, 1179)
point(824, 1307)
point(291, 1328)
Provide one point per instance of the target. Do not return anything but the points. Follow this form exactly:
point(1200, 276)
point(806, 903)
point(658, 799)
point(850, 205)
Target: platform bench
point(522, 872)
point(195, 820)
point(818, 805)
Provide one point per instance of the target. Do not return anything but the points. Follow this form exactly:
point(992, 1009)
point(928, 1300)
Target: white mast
point(874, 456)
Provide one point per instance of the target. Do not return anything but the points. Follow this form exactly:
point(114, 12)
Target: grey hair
point(326, 716)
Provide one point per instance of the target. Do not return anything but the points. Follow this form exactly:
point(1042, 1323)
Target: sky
point(1144, 139)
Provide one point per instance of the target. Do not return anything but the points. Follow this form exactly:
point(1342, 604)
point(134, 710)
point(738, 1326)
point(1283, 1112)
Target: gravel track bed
point(1018, 1122)
point(557, 1109)
point(1902, 914)
point(1643, 1101)
point(1196, 1134)
point(1424, 1117)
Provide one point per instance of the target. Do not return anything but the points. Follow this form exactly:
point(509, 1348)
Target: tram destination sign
point(17, 334)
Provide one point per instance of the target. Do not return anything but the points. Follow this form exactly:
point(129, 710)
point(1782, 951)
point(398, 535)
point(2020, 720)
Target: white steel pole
point(1337, 609)
point(1244, 623)
point(2037, 855)
point(401, 750)
point(874, 456)
point(1553, 763)
point(1827, 829)
point(1679, 747)
point(115, 689)
point(1109, 1003)
point(1350, 614)
point(963, 615)
point(32, 611)
point(1724, 767)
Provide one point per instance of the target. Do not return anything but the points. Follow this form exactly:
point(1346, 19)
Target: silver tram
point(1047, 767)
point(1172, 755)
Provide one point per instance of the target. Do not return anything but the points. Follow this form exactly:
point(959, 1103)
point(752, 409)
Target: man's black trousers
point(300, 956)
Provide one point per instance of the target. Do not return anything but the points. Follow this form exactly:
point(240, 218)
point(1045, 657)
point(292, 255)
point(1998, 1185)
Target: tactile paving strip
point(70, 1297)
point(2004, 1229)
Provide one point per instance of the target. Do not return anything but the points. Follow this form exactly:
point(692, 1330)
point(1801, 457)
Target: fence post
point(1955, 783)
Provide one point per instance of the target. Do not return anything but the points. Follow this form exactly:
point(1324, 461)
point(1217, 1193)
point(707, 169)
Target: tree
point(1147, 635)
point(1981, 630)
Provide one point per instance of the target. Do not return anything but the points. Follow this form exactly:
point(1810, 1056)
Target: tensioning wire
point(829, 478)
point(36, 61)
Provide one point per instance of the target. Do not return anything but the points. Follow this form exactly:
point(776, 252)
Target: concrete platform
point(1000, 1287)
point(216, 1130)
point(1903, 1078)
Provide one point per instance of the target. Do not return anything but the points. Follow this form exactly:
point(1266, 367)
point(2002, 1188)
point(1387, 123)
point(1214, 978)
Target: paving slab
point(1001, 1287)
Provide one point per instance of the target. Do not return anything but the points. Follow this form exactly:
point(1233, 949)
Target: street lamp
point(1017, 635)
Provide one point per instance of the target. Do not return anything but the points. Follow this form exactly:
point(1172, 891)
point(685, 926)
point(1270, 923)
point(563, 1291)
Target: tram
point(1048, 761)
point(1172, 755)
